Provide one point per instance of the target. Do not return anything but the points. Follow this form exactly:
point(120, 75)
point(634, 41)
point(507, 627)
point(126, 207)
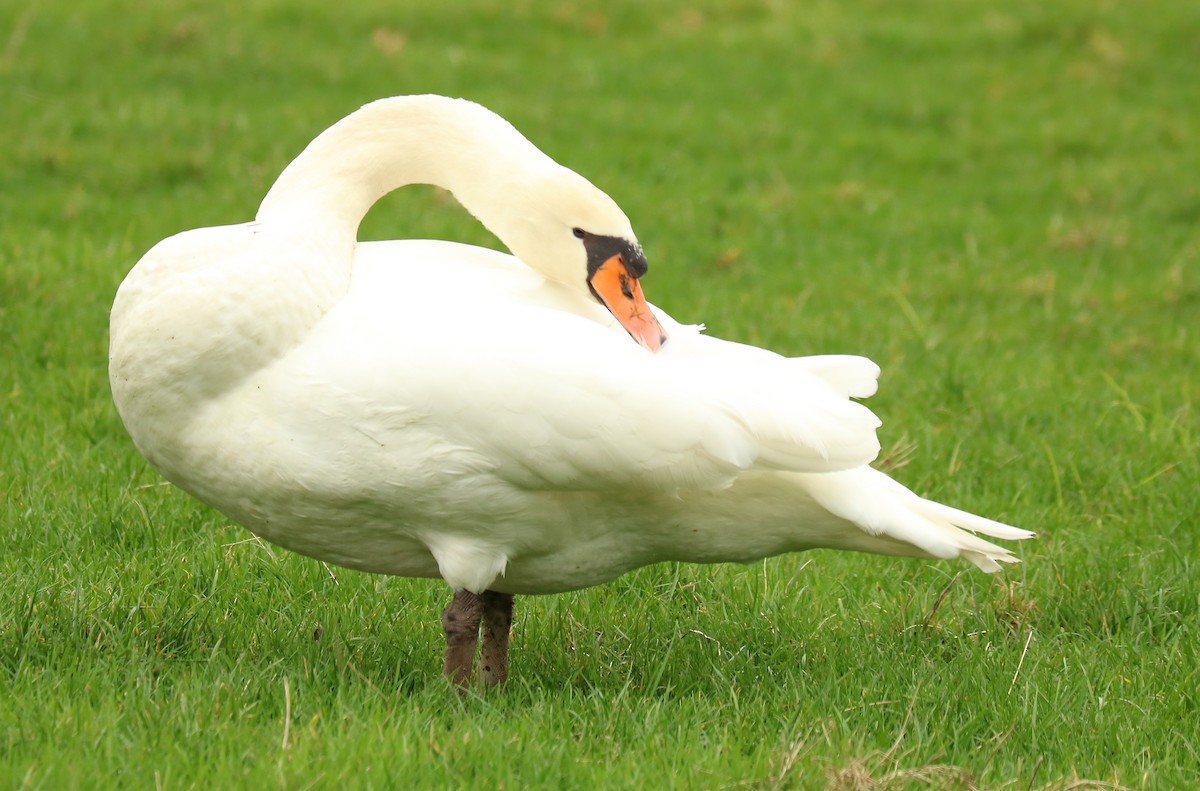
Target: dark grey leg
point(497, 624)
point(460, 620)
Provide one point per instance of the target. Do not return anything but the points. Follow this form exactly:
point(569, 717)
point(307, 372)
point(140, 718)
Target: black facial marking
point(601, 248)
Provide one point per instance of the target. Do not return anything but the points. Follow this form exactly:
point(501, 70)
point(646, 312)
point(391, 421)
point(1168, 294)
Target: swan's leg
point(460, 620)
point(497, 623)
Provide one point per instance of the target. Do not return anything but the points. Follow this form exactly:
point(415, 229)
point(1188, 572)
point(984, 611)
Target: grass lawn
point(999, 203)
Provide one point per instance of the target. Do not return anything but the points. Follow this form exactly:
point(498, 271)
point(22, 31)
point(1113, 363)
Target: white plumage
point(427, 408)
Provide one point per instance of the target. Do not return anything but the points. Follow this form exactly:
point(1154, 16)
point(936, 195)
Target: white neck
point(257, 290)
point(450, 143)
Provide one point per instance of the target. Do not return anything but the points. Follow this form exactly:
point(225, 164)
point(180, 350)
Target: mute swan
point(520, 423)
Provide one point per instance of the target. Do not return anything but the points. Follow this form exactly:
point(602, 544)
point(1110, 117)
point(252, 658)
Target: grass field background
point(999, 203)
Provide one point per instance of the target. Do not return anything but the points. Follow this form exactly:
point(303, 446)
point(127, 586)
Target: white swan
point(431, 409)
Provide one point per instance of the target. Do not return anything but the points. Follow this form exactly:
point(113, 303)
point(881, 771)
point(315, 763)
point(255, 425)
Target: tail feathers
point(883, 507)
point(974, 523)
point(938, 512)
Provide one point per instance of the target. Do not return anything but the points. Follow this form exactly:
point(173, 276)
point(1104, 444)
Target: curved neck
point(450, 143)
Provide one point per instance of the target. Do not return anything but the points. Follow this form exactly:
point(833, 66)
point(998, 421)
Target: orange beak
point(621, 293)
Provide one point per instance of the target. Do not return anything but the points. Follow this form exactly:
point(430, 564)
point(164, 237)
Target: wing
point(548, 394)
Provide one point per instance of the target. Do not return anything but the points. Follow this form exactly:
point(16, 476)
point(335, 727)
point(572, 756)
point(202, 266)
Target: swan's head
point(570, 231)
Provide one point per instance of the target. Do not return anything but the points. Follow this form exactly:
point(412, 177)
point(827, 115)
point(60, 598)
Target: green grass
point(997, 202)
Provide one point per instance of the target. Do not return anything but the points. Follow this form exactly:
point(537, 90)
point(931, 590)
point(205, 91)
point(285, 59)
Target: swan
point(512, 424)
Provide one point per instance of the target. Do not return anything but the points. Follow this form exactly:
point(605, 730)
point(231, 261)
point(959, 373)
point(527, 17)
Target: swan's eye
point(579, 233)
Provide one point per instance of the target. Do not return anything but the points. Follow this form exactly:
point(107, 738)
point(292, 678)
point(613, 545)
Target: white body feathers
point(426, 408)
